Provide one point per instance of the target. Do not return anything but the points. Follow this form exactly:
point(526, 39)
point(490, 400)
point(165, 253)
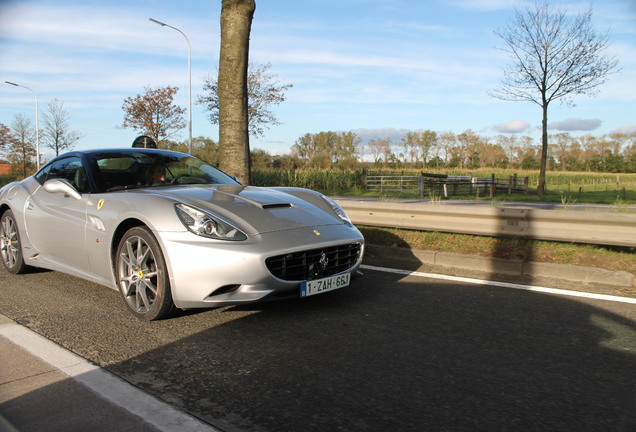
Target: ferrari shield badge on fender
point(317, 232)
point(100, 204)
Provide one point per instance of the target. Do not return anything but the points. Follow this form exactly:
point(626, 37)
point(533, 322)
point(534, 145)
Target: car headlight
point(206, 225)
point(338, 210)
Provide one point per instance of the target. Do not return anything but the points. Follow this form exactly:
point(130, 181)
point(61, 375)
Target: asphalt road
point(391, 352)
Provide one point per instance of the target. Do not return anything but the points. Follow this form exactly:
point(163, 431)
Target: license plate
point(319, 286)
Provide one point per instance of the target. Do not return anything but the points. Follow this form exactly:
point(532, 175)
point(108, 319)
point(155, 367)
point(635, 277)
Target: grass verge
point(605, 257)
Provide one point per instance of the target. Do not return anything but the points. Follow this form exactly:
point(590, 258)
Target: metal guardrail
point(591, 227)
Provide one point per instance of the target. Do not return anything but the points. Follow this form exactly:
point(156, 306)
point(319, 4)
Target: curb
point(503, 267)
point(71, 390)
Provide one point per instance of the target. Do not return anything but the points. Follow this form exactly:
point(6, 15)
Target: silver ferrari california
point(170, 231)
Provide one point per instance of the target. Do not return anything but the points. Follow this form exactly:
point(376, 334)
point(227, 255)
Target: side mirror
point(61, 186)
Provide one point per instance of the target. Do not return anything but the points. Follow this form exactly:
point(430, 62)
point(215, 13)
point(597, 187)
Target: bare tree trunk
point(544, 151)
point(234, 146)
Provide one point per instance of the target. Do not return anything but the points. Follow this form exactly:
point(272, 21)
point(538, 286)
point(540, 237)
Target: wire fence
point(441, 185)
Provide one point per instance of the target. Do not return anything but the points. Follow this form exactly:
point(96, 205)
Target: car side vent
point(276, 205)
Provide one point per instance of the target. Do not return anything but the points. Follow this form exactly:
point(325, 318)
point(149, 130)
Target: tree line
point(610, 153)
point(614, 152)
point(328, 150)
point(606, 153)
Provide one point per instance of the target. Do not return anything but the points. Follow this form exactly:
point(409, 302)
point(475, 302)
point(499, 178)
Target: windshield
point(118, 171)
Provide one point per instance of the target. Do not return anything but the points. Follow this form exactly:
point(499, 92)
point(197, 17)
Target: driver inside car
point(156, 175)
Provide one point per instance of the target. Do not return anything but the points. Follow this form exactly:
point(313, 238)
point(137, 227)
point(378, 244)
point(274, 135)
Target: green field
point(562, 187)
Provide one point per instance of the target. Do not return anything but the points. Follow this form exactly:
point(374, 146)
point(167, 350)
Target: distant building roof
point(5, 168)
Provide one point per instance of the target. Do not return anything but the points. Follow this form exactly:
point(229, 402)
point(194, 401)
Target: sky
point(379, 68)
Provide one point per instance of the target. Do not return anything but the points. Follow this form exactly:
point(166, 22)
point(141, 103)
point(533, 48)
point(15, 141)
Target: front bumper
point(206, 272)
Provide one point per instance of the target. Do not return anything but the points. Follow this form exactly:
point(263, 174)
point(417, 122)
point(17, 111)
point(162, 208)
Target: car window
point(69, 168)
point(189, 170)
point(119, 171)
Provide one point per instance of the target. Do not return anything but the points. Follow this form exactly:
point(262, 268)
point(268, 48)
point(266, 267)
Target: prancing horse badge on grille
point(323, 261)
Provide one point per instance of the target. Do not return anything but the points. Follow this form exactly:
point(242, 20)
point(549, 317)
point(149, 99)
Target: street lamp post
point(37, 130)
point(189, 81)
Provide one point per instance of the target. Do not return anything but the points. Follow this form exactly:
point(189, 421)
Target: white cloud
point(575, 124)
point(514, 126)
point(395, 135)
point(627, 130)
point(112, 27)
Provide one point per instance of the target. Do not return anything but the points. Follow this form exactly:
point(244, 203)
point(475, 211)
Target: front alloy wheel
point(142, 275)
point(10, 246)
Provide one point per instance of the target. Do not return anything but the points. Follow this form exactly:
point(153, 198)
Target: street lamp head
point(12, 83)
point(157, 22)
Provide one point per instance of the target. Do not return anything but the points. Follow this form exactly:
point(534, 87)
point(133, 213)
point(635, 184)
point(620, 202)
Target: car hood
point(254, 209)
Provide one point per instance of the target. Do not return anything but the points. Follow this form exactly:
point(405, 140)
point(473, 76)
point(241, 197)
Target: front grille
point(315, 263)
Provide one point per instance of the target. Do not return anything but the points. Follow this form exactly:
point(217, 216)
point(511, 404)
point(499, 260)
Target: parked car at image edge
point(169, 231)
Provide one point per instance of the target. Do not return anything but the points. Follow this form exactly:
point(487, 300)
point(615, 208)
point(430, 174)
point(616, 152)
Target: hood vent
point(276, 206)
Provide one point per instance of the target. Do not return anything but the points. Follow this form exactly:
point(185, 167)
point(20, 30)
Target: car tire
point(142, 276)
point(10, 244)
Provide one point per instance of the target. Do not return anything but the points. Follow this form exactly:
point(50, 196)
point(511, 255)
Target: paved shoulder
point(44, 387)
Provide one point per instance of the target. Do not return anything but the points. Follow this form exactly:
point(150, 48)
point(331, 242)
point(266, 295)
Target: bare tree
point(410, 148)
point(21, 151)
point(154, 114)
point(56, 134)
point(234, 144)
point(447, 141)
point(263, 91)
point(555, 56)
point(380, 149)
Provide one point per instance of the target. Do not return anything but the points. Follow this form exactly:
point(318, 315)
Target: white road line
point(153, 411)
point(569, 293)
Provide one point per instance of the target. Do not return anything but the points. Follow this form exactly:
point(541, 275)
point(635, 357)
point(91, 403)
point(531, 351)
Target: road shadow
point(424, 356)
